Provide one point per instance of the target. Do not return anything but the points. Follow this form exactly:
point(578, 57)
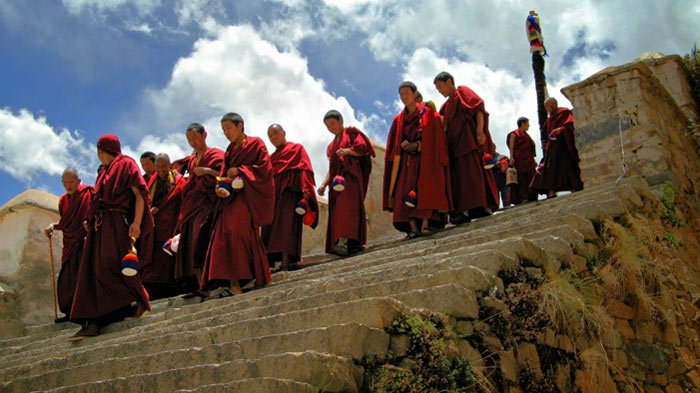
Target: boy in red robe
point(236, 254)
point(466, 124)
point(165, 191)
point(560, 171)
point(196, 209)
point(118, 215)
point(522, 153)
point(350, 162)
point(73, 207)
point(294, 185)
point(416, 172)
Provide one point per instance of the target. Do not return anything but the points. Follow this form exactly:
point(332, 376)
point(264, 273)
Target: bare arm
point(511, 147)
point(322, 188)
point(135, 227)
point(480, 136)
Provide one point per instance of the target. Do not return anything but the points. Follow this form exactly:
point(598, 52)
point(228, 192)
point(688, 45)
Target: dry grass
point(572, 306)
point(633, 274)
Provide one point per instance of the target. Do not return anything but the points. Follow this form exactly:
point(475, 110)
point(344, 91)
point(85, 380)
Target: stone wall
point(25, 272)
point(649, 103)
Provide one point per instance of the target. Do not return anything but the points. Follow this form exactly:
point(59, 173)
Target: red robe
point(561, 171)
point(73, 210)
point(166, 195)
point(473, 186)
point(101, 288)
point(524, 155)
point(346, 209)
point(236, 251)
point(194, 223)
point(425, 172)
point(294, 176)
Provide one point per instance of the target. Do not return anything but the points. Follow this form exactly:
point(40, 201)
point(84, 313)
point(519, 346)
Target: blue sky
point(144, 69)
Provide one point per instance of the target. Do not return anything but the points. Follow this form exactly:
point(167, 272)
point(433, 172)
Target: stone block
point(623, 326)
point(547, 337)
point(508, 365)
point(618, 309)
point(651, 357)
point(673, 388)
point(526, 354)
point(694, 378)
point(688, 358)
point(399, 345)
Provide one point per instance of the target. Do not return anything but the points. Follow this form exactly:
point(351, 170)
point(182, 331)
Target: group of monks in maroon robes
point(210, 224)
point(436, 163)
point(205, 225)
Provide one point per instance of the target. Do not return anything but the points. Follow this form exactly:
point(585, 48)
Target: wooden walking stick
point(53, 280)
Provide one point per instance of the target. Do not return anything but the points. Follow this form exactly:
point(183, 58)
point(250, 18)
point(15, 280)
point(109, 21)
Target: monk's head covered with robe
point(108, 147)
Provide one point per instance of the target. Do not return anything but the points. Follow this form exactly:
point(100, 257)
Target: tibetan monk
point(561, 170)
point(522, 153)
point(196, 209)
point(117, 216)
point(416, 169)
point(148, 163)
point(295, 189)
point(466, 124)
point(350, 163)
point(73, 207)
point(236, 254)
point(165, 191)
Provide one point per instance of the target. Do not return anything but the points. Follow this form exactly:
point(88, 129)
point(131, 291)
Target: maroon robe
point(236, 251)
point(346, 209)
point(101, 288)
point(194, 223)
point(561, 171)
point(166, 195)
point(523, 154)
point(73, 210)
point(425, 172)
point(473, 187)
point(294, 176)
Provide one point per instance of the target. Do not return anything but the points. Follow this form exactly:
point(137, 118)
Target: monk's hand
point(49, 229)
point(85, 224)
point(232, 172)
point(404, 145)
point(154, 211)
point(221, 193)
point(134, 230)
point(321, 190)
point(201, 170)
point(480, 137)
point(343, 152)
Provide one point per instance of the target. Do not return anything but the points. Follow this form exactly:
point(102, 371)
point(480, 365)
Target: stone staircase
point(309, 330)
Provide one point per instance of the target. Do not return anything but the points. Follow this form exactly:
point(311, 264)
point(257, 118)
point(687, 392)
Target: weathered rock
point(651, 357)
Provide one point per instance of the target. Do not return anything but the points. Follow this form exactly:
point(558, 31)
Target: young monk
point(196, 209)
point(466, 123)
point(118, 215)
point(522, 153)
point(73, 207)
point(416, 171)
point(561, 171)
point(350, 159)
point(236, 254)
point(294, 183)
point(148, 163)
point(165, 191)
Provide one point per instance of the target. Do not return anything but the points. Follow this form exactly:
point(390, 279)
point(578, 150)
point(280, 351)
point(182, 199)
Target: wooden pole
point(53, 279)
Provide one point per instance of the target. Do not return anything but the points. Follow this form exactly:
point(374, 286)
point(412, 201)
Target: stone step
point(635, 185)
point(519, 248)
point(330, 373)
point(352, 341)
point(451, 291)
point(256, 385)
point(172, 319)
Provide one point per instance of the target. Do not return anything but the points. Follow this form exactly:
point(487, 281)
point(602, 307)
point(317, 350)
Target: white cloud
point(142, 7)
point(32, 148)
point(238, 71)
